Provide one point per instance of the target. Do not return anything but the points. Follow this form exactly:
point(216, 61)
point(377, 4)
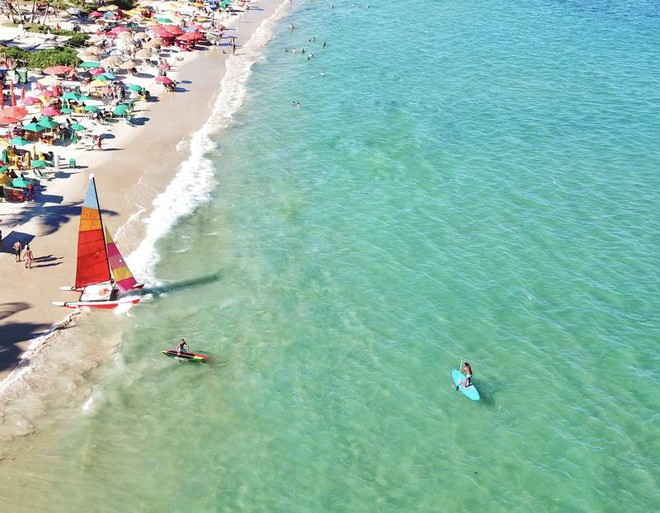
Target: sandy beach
point(135, 165)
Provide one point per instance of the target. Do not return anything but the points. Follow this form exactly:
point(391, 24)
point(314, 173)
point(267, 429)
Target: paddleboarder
point(468, 374)
point(182, 347)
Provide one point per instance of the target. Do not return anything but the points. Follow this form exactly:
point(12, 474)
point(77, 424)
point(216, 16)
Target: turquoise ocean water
point(471, 179)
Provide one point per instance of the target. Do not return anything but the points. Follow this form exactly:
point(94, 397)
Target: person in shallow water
point(468, 374)
point(182, 347)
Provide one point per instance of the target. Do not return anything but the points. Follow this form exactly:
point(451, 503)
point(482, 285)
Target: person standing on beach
point(98, 143)
point(28, 257)
point(18, 247)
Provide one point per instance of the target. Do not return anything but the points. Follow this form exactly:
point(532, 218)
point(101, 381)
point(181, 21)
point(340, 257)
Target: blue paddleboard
point(459, 379)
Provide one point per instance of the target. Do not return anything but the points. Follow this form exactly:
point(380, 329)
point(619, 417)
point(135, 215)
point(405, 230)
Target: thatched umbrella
point(156, 42)
point(128, 65)
point(112, 62)
point(143, 54)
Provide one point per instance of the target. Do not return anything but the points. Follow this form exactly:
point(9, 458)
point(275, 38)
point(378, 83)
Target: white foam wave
point(195, 180)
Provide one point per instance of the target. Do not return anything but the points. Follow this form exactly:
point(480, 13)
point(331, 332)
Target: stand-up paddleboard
point(459, 380)
point(183, 355)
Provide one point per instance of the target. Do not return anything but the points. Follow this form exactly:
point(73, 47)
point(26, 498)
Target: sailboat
point(101, 272)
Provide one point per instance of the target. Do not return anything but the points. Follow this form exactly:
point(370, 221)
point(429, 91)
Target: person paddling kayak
point(182, 347)
point(468, 374)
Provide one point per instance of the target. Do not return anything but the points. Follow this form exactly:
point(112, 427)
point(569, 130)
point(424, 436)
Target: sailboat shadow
point(180, 285)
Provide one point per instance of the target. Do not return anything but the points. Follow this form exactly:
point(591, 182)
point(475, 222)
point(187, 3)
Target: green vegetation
point(77, 39)
point(40, 59)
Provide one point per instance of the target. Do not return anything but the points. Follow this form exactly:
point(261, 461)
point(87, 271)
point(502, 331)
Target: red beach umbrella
point(173, 29)
point(164, 80)
point(58, 70)
point(190, 36)
point(15, 112)
point(50, 111)
point(30, 100)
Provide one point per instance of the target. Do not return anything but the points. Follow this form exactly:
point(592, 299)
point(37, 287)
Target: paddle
point(459, 370)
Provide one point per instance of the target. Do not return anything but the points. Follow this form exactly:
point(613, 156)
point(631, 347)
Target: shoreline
point(28, 321)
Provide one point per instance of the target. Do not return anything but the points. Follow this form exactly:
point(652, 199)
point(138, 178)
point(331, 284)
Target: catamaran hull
point(105, 305)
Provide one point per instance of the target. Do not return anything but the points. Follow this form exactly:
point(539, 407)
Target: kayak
point(459, 379)
point(191, 357)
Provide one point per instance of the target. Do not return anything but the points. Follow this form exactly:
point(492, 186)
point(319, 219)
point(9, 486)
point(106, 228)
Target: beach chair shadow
point(50, 198)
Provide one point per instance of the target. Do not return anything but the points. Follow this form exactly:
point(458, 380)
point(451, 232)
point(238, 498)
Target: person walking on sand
point(98, 143)
point(28, 257)
point(18, 247)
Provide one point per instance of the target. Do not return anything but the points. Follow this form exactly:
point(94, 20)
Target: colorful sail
point(120, 271)
point(92, 255)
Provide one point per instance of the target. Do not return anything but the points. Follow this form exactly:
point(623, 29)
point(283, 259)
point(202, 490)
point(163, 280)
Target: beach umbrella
point(135, 87)
point(77, 127)
point(58, 70)
point(38, 163)
point(46, 122)
point(164, 20)
point(96, 72)
point(112, 61)
point(121, 109)
point(98, 83)
point(108, 76)
point(153, 43)
point(90, 64)
point(66, 110)
point(163, 80)
point(95, 14)
point(91, 108)
point(19, 141)
point(71, 96)
point(50, 80)
point(177, 31)
point(15, 112)
point(190, 36)
point(145, 53)
point(50, 111)
point(116, 51)
point(34, 127)
point(128, 65)
point(30, 100)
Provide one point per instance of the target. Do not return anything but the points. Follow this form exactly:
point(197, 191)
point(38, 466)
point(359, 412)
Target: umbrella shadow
point(6, 246)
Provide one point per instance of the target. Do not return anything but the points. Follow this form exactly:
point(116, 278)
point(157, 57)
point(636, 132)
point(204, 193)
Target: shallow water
point(464, 180)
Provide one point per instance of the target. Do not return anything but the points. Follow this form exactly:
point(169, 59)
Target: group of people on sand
point(18, 251)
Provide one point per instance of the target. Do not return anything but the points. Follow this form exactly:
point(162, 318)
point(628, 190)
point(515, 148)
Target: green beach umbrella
point(19, 141)
point(76, 127)
point(164, 20)
point(66, 111)
point(121, 109)
point(90, 64)
point(135, 87)
point(71, 96)
point(91, 108)
point(47, 122)
point(34, 127)
point(38, 163)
